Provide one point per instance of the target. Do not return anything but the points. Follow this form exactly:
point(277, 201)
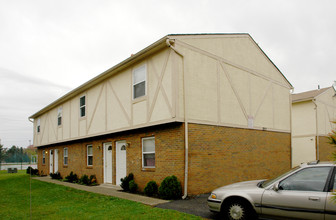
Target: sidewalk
point(108, 190)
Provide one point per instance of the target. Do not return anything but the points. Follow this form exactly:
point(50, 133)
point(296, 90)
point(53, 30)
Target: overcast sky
point(49, 47)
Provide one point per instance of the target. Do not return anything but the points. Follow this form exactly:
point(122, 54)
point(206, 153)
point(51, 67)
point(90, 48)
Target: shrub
point(125, 181)
point(71, 178)
point(151, 188)
point(133, 187)
point(93, 180)
point(56, 176)
point(32, 171)
point(170, 188)
point(84, 180)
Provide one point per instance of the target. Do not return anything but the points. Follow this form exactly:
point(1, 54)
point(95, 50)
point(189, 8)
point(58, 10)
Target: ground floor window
point(148, 152)
point(43, 157)
point(65, 156)
point(89, 155)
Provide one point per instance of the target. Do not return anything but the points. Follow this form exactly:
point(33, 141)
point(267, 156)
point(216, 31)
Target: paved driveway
point(195, 206)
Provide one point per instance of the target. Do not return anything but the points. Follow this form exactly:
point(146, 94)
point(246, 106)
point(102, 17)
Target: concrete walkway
point(109, 190)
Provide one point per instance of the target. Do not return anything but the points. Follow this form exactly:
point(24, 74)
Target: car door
point(330, 209)
point(300, 195)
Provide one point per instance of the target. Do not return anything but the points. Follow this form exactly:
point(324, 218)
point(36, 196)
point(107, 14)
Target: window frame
point(134, 84)
point(59, 116)
point(150, 152)
point(82, 106)
point(43, 156)
point(87, 155)
point(65, 163)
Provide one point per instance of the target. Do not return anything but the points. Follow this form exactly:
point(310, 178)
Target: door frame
point(120, 173)
point(105, 147)
point(51, 161)
point(55, 160)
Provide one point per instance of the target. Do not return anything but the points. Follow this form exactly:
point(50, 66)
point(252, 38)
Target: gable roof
point(309, 95)
point(156, 46)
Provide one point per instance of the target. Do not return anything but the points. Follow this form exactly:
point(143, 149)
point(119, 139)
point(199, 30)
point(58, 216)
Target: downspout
point(186, 142)
point(317, 137)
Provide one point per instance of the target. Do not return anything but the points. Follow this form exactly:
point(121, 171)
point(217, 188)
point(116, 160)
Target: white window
point(43, 157)
point(148, 152)
point(89, 155)
point(59, 116)
point(139, 82)
point(38, 126)
point(65, 156)
point(82, 106)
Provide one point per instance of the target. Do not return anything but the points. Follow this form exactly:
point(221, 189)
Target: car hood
point(247, 185)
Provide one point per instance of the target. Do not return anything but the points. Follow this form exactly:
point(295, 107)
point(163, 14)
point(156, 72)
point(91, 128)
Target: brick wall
point(223, 155)
point(217, 155)
point(326, 149)
point(169, 155)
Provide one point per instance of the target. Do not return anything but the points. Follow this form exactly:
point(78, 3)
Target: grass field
point(50, 201)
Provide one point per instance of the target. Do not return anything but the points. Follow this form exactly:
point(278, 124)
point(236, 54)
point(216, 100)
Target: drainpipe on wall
point(186, 142)
point(317, 137)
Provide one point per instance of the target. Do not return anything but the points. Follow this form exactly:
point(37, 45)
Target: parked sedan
point(305, 192)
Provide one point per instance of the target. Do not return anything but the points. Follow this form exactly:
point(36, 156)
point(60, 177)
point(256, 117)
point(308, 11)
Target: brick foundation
point(217, 155)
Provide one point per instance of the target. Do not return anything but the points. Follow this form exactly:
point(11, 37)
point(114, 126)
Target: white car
point(305, 192)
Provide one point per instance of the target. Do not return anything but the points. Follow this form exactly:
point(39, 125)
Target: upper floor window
point(59, 116)
point(89, 155)
point(82, 106)
point(148, 152)
point(65, 156)
point(139, 82)
point(38, 126)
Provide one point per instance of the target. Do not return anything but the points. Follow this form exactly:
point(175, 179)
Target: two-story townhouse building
point(210, 109)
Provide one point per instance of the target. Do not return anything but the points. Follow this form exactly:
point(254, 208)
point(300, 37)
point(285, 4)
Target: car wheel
point(238, 210)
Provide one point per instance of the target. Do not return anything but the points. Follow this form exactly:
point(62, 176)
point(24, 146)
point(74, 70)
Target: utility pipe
point(317, 137)
point(169, 43)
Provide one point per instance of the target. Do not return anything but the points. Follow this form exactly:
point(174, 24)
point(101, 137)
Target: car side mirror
point(276, 187)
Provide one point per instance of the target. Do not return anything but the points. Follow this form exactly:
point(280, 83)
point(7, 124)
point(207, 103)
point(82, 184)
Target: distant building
point(312, 116)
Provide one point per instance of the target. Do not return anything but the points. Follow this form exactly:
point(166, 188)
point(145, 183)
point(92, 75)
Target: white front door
point(120, 161)
point(108, 162)
point(51, 161)
point(56, 160)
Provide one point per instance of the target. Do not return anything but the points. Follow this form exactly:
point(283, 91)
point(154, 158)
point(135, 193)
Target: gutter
point(169, 43)
point(317, 137)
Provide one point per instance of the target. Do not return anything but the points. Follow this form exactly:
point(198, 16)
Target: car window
point(271, 181)
point(308, 179)
point(334, 182)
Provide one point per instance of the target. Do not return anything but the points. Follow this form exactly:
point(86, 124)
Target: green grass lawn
point(50, 201)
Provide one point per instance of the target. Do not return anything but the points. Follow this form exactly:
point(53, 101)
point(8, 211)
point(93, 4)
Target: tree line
point(14, 154)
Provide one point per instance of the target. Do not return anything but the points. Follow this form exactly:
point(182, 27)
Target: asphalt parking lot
point(196, 206)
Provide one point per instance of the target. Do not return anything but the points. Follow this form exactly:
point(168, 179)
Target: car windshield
point(271, 181)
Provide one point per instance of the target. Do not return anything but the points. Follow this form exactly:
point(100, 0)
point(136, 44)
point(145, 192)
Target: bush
point(125, 181)
point(170, 188)
point(84, 180)
point(133, 187)
point(32, 171)
point(56, 176)
point(151, 188)
point(71, 178)
point(93, 180)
